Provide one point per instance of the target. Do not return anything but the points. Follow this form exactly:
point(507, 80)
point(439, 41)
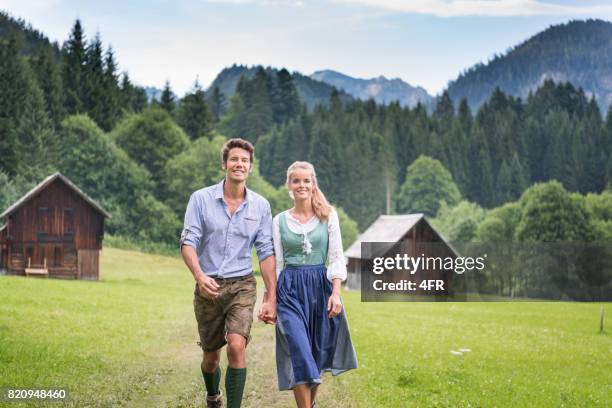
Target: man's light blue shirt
point(223, 242)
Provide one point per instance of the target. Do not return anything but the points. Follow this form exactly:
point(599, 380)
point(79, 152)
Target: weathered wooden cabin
point(55, 230)
point(411, 234)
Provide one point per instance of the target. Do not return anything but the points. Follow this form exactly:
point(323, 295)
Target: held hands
point(334, 305)
point(267, 311)
point(208, 287)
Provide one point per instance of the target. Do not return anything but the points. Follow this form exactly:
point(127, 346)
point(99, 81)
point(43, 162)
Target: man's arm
point(191, 236)
point(267, 265)
point(267, 313)
point(207, 286)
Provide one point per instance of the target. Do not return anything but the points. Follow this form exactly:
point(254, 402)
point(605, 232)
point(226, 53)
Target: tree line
point(363, 150)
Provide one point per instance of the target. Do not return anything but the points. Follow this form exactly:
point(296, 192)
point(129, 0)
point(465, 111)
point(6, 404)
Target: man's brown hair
point(237, 142)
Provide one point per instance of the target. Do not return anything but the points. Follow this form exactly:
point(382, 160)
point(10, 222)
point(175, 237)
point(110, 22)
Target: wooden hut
point(55, 230)
point(414, 235)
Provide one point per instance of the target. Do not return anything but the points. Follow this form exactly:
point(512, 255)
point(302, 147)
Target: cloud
point(460, 8)
point(297, 3)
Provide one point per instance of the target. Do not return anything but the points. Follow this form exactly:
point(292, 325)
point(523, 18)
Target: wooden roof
point(44, 184)
point(390, 228)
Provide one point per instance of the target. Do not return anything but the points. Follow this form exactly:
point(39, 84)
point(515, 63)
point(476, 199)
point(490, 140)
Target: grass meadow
point(129, 340)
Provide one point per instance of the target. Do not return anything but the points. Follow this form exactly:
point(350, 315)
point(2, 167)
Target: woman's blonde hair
point(320, 205)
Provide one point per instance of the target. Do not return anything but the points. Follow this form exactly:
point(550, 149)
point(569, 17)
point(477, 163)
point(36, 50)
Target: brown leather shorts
point(231, 312)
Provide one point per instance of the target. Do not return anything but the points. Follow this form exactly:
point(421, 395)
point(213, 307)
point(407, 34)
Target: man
point(222, 224)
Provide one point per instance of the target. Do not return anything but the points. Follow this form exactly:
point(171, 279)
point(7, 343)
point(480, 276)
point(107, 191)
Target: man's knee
point(210, 361)
point(236, 345)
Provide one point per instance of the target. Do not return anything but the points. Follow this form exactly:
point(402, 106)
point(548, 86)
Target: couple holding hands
point(302, 265)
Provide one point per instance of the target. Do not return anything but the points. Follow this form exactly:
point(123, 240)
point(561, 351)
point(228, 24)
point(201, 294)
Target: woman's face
point(301, 184)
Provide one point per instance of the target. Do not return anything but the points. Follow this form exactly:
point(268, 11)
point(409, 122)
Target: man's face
point(238, 165)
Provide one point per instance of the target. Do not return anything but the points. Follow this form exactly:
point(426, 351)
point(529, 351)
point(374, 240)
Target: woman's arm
point(336, 262)
point(278, 245)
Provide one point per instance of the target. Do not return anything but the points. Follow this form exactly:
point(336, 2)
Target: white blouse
point(336, 262)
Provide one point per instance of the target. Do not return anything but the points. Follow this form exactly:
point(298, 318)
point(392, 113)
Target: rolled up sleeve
point(193, 227)
point(263, 239)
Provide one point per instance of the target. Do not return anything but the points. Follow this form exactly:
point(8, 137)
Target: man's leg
point(211, 371)
point(211, 328)
point(239, 319)
point(235, 377)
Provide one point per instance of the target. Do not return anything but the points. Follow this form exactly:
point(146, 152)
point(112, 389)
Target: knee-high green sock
point(212, 381)
point(234, 386)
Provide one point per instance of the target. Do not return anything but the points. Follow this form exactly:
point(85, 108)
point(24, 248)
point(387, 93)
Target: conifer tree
point(193, 114)
point(133, 98)
point(94, 94)
point(285, 99)
point(14, 85)
point(111, 100)
point(167, 100)
point(217, 104)
point(74, 75)
point(49, 80)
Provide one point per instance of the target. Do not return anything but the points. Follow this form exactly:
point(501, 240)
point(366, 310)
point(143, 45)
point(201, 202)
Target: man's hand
point(208, 287)
point(334, 305)
point(267, 311)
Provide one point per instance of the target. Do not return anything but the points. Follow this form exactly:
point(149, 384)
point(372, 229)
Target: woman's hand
point(334, 305)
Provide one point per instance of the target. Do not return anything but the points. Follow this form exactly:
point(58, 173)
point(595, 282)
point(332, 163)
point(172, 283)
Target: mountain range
point(381, 89)
point(578, 51)
point(312, 91)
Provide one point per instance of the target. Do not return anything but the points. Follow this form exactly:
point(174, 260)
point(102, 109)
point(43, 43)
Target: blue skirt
point(308, 342)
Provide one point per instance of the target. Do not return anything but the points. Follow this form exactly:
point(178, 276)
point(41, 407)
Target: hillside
point(381, 89)
point(311, 91)
point(579, 52)
point(31, 40)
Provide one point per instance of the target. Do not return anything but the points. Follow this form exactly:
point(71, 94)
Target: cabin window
point(68, 221)
point(44, 220)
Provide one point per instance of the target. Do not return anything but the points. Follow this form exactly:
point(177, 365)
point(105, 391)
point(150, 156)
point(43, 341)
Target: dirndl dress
point(308, 342)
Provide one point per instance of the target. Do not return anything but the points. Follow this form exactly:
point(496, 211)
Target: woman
point(312, 333)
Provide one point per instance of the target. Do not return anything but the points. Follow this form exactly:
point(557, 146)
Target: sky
point(424, 42)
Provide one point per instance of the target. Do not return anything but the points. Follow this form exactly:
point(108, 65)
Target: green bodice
point(293, 244)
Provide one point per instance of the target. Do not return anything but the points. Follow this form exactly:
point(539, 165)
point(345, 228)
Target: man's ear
point(223, 166)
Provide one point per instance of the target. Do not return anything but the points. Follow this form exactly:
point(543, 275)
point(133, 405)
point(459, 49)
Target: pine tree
point(74, 70)
point(167, 100)
point(50, 82)
point(258, 105)
point(193, 114)
point(94, 83)
point(285, 99)
point(511, 181)
point(133, 98)
point(217, 104)
point(111, 101)
point(15, 87)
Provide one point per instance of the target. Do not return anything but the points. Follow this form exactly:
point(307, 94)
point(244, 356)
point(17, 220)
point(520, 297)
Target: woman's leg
point(301, 393)
point(313, 393)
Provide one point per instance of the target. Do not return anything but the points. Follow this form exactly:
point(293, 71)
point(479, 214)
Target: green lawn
point(129, 340)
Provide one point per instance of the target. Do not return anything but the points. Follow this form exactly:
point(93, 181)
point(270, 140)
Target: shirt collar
point(219, 191)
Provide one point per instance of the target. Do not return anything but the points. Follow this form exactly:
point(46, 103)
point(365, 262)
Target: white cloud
point(262, 2)
point(458, 8)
